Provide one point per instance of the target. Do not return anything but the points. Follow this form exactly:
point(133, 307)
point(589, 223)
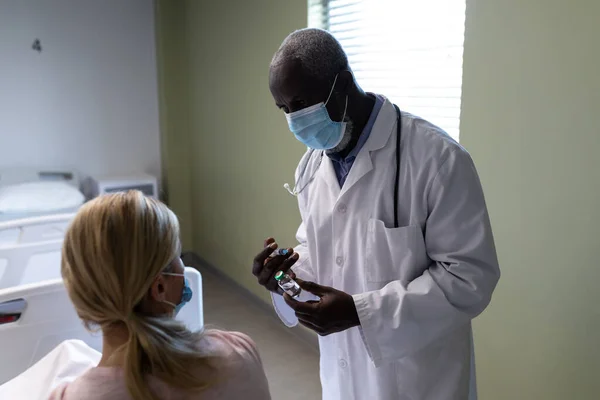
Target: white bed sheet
point(65, 363)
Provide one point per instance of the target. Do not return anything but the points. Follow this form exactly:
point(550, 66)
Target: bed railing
point(30, 249)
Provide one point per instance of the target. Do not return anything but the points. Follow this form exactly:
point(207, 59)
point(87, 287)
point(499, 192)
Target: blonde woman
point(122, 270)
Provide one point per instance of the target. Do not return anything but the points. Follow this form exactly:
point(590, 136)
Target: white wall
point(89, 99)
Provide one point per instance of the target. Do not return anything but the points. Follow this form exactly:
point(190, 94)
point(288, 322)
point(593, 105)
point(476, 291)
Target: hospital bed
point(36, 208)
point(36, 318)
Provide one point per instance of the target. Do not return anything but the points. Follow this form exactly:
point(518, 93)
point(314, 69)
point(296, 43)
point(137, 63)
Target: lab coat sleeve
point(399, 320)
point(303, 270)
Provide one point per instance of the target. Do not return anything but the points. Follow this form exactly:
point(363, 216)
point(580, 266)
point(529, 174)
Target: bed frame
point(36, 318)
point(21, 175)
point(30, 244)
point(30, 249)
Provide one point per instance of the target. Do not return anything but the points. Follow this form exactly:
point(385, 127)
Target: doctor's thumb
point(312, 287)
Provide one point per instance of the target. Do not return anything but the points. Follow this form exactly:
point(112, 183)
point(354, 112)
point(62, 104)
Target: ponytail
point(166, 349)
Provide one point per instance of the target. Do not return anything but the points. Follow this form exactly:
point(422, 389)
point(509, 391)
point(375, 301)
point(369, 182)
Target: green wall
point(531, 119)
point(172, 52)
point(233, 148)
point(243, 152)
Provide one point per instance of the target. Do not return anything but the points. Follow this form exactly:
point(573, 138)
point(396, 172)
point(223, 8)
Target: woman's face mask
point(186, 294)
point(313, 126)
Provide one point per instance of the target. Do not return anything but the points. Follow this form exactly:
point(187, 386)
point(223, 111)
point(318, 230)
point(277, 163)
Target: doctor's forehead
point(288, 81)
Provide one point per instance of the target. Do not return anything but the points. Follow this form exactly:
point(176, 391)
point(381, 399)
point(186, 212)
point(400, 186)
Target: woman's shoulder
point(241, 366)
point(95, 383)
point(230, 345)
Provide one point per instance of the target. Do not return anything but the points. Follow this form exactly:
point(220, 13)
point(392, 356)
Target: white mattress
point(16, 176)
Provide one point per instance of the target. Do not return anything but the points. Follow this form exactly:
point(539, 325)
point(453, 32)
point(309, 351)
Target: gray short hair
point(319, 53)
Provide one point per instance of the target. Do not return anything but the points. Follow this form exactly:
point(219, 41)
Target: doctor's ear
point(345, 83)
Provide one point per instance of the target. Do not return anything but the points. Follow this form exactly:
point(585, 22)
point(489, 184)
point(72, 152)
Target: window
point(408, 50)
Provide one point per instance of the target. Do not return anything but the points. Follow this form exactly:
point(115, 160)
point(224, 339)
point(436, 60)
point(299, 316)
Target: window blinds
point(408, 50)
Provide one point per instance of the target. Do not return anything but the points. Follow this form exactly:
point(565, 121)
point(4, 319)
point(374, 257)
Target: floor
point(226, 307)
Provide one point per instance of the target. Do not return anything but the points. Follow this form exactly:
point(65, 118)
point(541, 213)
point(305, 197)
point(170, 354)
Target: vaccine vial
point(288, 285)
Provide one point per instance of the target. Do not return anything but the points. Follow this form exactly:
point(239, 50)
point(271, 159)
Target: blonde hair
point(114, 249)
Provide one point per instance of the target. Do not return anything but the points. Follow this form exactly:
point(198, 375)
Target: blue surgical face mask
point(313, 126)
point(186, 294)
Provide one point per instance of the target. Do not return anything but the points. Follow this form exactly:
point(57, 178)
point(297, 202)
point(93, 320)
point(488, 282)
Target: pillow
point(39, 197)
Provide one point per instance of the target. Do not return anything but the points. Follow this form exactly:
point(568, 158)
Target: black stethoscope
point(295, 192)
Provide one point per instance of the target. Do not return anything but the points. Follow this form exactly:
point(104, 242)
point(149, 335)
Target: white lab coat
point(416, 287)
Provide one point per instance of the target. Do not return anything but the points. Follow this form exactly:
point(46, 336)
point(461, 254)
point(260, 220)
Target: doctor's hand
point(265, 267)
point(334, 312)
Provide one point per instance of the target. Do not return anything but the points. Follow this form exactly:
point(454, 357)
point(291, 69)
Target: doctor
point(397, 245)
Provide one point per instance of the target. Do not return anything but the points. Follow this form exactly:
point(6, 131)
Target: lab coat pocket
point(394, 253)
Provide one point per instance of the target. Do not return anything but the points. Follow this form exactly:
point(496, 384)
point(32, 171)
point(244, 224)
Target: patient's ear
point(153, 302)
point(158, 291)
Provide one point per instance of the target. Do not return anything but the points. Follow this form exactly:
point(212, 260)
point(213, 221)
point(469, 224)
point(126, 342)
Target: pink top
point(242, 378)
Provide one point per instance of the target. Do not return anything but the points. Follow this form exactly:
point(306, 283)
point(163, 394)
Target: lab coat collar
point(380, 135)
point(382, 129)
